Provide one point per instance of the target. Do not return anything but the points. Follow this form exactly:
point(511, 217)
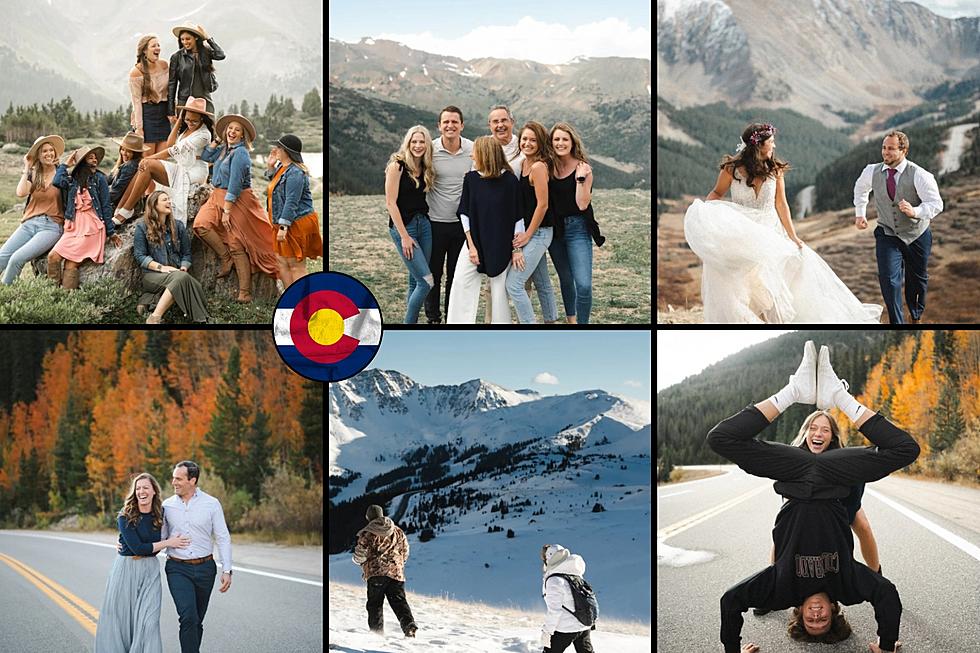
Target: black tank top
point(529, 202)
point(561, 197)
point(411, 200)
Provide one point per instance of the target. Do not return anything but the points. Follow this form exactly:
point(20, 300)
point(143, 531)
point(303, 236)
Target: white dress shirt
point(925, 186)
point(513, 149)
point(199, 519)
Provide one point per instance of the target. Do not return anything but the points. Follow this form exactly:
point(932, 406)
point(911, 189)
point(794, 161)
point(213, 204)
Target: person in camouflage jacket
point(381, 552)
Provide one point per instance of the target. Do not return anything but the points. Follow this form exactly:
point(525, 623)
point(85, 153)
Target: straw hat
point(192, 28)
point(56, 141)
point(223, 121)
point(133, 142)
point(84, 151)
point(197, 105)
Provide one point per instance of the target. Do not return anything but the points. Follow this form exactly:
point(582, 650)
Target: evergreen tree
point(312, 104)
point(949, 422)
point(311, 421)
point(244, 111)
point(73, 437)
point(157, 348)
point(256, 463)
point(227, 423)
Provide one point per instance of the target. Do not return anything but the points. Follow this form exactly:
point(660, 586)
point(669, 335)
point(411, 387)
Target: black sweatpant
point(447, 241)
point(379, 587)
point(560, 641)
point(803, 475)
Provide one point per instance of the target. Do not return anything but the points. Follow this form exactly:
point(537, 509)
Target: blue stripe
point(339, 371)
point(345, 285)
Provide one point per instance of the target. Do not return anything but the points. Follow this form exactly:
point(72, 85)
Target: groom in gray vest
point(907, 199)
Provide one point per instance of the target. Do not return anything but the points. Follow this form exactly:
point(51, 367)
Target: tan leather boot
point(54, 272)
point(214, 241)
point(70, 281)
point(243, 267)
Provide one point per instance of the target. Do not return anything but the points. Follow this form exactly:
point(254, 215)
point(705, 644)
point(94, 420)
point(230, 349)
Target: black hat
point(373, 512)
point(292, 145)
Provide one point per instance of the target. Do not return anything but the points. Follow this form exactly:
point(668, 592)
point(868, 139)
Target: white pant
point(464, 297)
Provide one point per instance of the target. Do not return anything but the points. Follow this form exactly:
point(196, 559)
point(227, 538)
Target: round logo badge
point(327, 326)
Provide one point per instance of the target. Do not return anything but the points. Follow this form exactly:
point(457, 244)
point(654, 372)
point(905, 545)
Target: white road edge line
point(113, 546)
point(957, 541)
point(667, 496)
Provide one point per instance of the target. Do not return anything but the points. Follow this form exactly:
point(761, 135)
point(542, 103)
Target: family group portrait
point(166, 220)
point(831, 465)
point(510, 170)
point(804, 192)
point(160, 491)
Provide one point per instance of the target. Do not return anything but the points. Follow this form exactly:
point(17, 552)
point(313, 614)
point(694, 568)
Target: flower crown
point(758, 136)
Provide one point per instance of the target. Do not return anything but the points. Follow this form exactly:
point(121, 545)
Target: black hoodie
point(812, 538)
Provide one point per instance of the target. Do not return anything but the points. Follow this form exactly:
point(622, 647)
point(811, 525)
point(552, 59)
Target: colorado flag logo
point(327, 326)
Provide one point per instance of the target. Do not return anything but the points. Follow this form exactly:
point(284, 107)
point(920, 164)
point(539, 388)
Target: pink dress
point(85, 237)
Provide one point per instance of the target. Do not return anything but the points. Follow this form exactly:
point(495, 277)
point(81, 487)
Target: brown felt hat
point(84, 151)
point(219, 127)
point(197, 30)
point(56, 141)
point(197, 105)
point(133, 142)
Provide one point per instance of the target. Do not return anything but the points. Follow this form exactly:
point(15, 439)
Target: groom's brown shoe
point(915, 321)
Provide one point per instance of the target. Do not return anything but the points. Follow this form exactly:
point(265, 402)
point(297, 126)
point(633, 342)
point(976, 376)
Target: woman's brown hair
point(545, 153)
point(144, 65)
point(131, 509)
point(800, 440)
point(840, 629)
point(488, 157)
point(157, 224)
point(750, 158)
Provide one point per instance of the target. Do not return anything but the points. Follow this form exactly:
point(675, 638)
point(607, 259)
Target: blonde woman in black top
point(408, 175)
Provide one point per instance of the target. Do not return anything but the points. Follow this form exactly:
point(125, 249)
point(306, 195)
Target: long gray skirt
point(187, 291)
point(130, 618)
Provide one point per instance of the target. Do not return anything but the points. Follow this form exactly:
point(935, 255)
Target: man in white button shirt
point(907, 198)
point(191, 571)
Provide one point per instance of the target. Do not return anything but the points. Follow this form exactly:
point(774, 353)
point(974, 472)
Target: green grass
point(360, 246)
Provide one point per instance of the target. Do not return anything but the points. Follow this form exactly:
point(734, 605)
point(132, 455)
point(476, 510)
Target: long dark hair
point(199, 47)
point(206, 120)
point(750, 158)
point(157, 224)
point(545, 153)
point(82, 173)
point(131, 510)
point(840, 629)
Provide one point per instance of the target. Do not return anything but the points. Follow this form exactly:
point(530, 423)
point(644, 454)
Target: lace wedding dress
point(753, 273)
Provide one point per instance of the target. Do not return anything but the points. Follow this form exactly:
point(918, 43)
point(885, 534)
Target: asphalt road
point(715, 532)
point(52, 589)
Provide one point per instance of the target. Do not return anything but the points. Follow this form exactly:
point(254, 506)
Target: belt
point(192, 561)
point(139, 557)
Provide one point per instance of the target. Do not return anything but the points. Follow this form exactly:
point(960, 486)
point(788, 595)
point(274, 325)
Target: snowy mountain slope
point(402, 415)
point(449, 626)
point(468, 563)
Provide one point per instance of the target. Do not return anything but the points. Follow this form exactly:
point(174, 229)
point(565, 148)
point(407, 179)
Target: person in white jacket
point(561, 627)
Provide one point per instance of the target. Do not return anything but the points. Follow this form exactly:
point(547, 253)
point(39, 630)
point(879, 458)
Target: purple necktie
point(890, 183)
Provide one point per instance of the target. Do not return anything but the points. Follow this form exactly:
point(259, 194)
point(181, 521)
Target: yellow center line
point(694, 520)
point(88, 616)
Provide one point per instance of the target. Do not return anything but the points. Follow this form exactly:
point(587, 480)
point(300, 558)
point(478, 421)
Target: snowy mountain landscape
point(486, 476)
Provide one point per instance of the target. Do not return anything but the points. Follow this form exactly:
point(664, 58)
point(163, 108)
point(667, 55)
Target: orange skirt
point(303, 239)
point(250, 230)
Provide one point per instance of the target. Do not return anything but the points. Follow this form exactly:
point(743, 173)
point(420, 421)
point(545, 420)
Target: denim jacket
point(98, 188)
point(119, 182)
point(291, 198)
point(232, 171)
point(176, 255)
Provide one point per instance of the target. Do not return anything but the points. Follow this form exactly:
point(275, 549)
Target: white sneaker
point(828, 385)
point(805, 379)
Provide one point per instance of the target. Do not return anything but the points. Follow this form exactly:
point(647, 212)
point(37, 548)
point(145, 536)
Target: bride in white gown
point(754, 267)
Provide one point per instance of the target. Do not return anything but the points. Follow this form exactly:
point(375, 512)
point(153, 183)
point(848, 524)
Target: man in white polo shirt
point(501, 123)
point(451, 161)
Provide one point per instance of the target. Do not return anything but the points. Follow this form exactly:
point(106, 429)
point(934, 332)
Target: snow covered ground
point(448, 626)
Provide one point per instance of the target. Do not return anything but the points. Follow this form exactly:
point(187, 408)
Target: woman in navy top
point(570, 195)
point(232, 211)
point(408, 175)
point(130, 615)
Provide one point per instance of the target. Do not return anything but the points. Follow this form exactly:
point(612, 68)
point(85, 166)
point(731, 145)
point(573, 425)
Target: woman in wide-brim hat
point(42, 223)
point(148, 82)
point(295, 224)
point(131, 152)
point(191, 67)
point(233, 213)
point(88, 216)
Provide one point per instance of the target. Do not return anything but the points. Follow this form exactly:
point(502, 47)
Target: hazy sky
point(551, 31)
point(550, 362)
point(683, 353)
point(952, 8)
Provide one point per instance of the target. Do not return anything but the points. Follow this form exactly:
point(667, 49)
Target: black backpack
point(586, 605)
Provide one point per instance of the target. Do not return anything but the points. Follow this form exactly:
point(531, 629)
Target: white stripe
point(957, 541)
point(694, 520)
point(365, 326)
point(665, 496)
point(113, 546)
point(280, 326)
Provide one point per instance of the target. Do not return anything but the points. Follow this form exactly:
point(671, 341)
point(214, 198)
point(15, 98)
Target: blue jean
point(419, 276)
point(190, 587)
point(535, 268)
point(898, 262)
point(32, 239)
point(572, 256)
